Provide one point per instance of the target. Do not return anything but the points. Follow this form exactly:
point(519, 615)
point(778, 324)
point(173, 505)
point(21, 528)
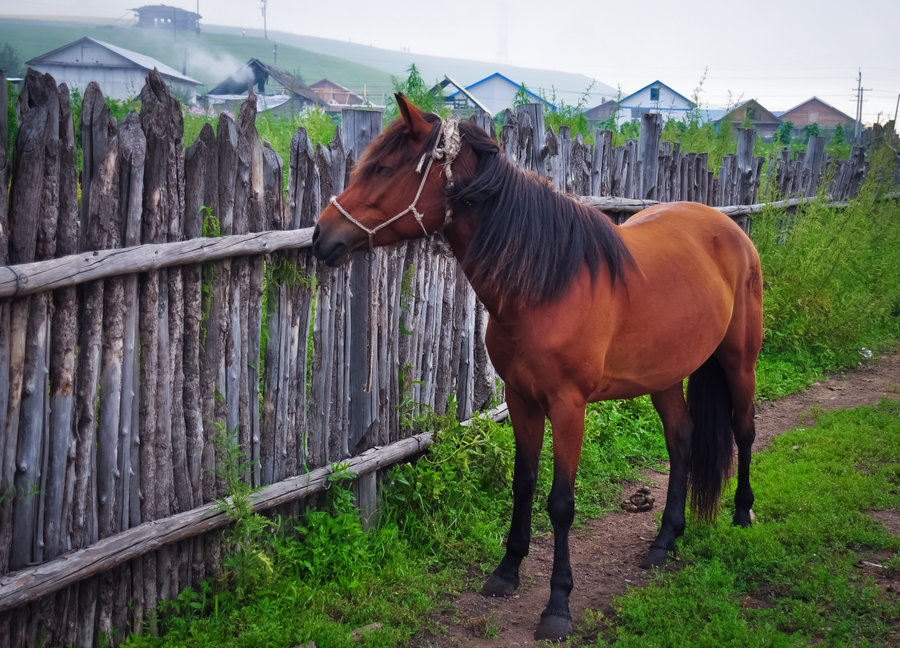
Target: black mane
point(531, 241)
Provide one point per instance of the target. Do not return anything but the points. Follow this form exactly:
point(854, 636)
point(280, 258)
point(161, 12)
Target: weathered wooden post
point(359, 128)
point(745, 165)
point(530, 118)
point(648, 155)
point(33, 213)
point(812, 165)
point(602, 163)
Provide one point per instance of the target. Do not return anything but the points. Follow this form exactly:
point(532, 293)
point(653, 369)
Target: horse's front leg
point(528, 427)
point(567, 421)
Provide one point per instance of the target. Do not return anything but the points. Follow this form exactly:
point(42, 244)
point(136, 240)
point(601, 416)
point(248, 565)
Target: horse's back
point(689, 238)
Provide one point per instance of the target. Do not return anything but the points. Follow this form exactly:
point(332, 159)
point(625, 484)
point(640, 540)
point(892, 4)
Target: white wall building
point(497, 93)
point(655, 97)
point(121, 73)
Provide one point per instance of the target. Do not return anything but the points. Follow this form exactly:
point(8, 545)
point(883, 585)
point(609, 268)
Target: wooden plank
point(30, 278)
point(815, 154)
point(64, 324)
point(648, 155)
point(359, 128)
point(248, 216)
point(6, 471)
point(33, 215)
point(106, 218)
point(579, 182)
point(132, 155)
point(200, 198)
point(530, 131)
point(745, 165)
point(509, 137)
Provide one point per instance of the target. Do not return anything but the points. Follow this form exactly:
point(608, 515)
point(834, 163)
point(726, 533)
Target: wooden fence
point(172, 303)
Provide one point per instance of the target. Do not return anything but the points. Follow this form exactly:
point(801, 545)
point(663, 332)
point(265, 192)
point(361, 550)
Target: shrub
point(830, 273)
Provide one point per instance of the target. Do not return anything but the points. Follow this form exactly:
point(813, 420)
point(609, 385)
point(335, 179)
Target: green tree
point(11, 61)
point(523, 96)
point(838, 136)
point(569, 115)
point(783, 134)
point(416, 91)
point(810, 130)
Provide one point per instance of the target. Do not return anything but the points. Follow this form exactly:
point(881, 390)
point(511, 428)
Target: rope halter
point(451, 140)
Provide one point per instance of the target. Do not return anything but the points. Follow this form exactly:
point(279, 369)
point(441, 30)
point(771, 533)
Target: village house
point(654, 97)
point(462, 103)
point(336, 96)
point(277, 91)
point(166, 17)
point(816, 111)
point(496, 93)
point(120, 73)
point(751, 111)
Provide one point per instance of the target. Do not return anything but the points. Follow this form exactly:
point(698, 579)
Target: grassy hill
point(568, 86)
point(214, 53)
point(208, 56)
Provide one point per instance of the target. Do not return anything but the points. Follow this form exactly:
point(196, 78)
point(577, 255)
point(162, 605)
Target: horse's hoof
point(656, 557)
point(499, 586)
point(743, 519)
point(553, 628)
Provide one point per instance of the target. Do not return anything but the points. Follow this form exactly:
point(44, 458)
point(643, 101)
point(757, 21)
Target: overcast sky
point(780, 52)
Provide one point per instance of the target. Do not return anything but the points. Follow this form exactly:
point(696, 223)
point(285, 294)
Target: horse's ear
point(412, 116)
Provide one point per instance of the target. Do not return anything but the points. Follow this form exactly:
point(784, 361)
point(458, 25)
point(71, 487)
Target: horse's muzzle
point(331, 253)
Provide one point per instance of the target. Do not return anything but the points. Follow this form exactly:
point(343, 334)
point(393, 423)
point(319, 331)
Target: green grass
point(791, 580)
point(320, 578)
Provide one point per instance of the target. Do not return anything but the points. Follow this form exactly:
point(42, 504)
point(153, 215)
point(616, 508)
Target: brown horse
point(581, 310)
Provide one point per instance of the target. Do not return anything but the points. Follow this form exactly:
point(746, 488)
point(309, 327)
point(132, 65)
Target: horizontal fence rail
point(162, 309)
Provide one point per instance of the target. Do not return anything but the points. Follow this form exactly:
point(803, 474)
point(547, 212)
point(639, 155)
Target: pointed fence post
point(360, 128)
point(648, 155)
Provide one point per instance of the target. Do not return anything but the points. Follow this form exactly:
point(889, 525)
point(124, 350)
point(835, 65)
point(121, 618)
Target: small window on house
point(751, 112)
point(654, 94)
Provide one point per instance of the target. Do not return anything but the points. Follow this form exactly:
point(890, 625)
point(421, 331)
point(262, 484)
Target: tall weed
point(831, 280)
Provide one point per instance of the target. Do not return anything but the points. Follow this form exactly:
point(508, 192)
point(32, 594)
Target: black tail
point(709, 403)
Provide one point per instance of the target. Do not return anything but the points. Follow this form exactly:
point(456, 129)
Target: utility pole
point(860, 91)
point(265, 30)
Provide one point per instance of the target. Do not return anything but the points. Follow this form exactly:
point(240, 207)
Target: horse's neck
point(458, 234)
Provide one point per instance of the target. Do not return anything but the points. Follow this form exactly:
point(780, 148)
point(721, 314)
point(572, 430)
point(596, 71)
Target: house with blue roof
point(654, 97)
point(496, 93)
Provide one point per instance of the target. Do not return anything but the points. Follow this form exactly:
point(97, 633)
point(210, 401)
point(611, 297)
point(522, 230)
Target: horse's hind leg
point(740, 372)
point(737, 355)
point(528, 427)
point(677, 426)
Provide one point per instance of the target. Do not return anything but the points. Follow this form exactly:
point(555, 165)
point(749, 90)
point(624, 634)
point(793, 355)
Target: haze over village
point(586, 57)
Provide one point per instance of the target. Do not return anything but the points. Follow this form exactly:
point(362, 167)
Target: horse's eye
point(385, 171)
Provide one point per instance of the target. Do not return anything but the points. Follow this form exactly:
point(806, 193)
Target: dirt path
point(605, 552)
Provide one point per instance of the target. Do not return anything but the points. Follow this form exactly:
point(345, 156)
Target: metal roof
point(256, 71)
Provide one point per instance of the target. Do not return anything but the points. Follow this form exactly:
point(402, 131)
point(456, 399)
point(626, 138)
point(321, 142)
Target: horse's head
point(396, 192)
